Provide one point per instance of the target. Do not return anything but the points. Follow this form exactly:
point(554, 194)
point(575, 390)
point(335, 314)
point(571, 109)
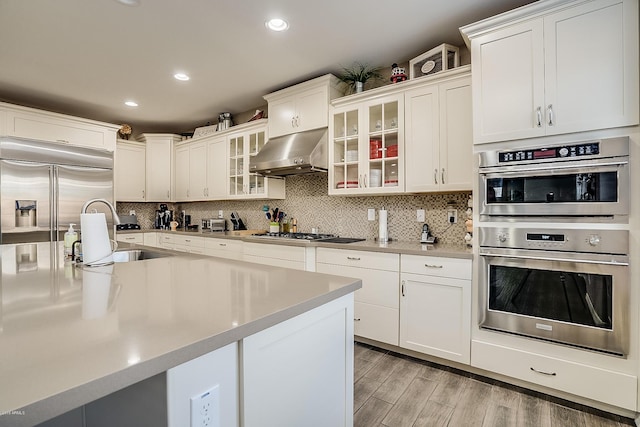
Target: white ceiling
point(86, 57)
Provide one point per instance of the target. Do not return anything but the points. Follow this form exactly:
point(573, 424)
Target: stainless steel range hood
point(299, 153)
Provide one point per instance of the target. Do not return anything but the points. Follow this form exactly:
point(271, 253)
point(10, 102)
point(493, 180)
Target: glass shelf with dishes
point(345, 157)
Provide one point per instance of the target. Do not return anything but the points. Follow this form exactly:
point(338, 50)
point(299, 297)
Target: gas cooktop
point(296, 236)
point(308, 237)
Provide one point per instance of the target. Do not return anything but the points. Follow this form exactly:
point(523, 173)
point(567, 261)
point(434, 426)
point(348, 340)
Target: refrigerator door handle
point(53, 197)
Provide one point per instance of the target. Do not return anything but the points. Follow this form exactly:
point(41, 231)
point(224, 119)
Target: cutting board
point(245, 232)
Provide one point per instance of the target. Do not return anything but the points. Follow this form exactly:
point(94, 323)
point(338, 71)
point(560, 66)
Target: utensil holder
point(274, 227)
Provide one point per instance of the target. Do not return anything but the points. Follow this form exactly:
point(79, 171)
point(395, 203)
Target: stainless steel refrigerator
point(43, 186)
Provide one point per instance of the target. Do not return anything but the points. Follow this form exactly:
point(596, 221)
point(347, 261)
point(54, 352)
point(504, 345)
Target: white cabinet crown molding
point(505, 19)
point(15, 107)
point(329, 79)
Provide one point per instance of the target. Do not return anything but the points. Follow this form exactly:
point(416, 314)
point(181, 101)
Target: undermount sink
point(137, 255)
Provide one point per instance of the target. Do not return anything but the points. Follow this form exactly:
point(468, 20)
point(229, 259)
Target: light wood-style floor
point(396, 391)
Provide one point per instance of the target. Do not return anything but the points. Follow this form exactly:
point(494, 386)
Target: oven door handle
point(552, 258)
point(511, 171)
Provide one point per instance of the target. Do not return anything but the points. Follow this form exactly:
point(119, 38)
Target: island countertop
point(71, 335)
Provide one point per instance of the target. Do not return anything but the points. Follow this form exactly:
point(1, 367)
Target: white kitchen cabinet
point(302, 107)
point(300, 371)
point(185, 242)
point(135, 238)
point(191, 171)
point(275, 255)
point(216, 168)
point(129, 171)
point(366, 150)
point(159, 165)
point(555, 68)
point(151, 239)
point(435, 306)
point(46, 126)
point(223, 248)
point(439, 136)
point(242, 144)
point(376, 307)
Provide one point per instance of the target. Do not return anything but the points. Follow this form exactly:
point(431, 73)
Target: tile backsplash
point(308, 201)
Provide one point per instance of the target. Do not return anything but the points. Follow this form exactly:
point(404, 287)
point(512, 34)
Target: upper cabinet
point(159, 165)
point(438, 136)
point(45, 126)
point(242, 144)
point(414, 136)
point(366, 148)
point(301, 107)
point(555, 67)
point(129, 171)
point(191, 171)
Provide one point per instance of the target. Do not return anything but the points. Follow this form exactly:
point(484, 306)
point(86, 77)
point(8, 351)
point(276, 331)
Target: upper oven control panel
point(588, 149)
point(570, 240)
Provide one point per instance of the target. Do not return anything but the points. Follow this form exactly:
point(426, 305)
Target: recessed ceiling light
point(131, 103)
point(181, 76)
point(277, 24)
point(129, 2)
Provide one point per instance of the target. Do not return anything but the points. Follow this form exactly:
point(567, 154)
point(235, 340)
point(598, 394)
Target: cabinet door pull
point(442, 176)
point(432, 266)
point(187, 193)
point(359, 181)
point(539, 117)
point(551, 374)
point(168, 194)
point(353, 258)
point(293, 121)
point(550, 112)
point(187, 240)
point(402, 288)
point(365, 180)
point(356, 319)
point(143, 194)
point(297, 120)
point(222, 244)
point(435, 175)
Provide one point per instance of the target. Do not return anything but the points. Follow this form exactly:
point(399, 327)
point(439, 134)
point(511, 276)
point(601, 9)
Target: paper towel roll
point(382, 226)
point(96, 246)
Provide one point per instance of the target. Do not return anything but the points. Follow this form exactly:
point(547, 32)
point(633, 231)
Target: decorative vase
point(359, 87)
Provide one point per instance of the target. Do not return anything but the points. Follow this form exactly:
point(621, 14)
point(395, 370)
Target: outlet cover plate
point(205, 408)
point(371, 214)
point(420, 217)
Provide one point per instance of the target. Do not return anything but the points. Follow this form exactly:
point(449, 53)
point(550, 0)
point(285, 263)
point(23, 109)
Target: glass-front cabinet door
point(366, 152)
point(345, 154)
point(236, 165)
point(256, 183)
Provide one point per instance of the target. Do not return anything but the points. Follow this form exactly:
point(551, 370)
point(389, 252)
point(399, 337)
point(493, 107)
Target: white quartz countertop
point(396, 246)
point(69, 335)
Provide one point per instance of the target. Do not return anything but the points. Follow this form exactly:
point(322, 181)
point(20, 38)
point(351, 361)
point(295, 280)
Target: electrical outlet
point(371, 214)
point(132, 212)
point(220, 214)
point(420, 215)
point(205, 408)
point(452, 215)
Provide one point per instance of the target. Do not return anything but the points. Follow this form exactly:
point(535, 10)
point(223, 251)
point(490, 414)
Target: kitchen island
point(71, 336)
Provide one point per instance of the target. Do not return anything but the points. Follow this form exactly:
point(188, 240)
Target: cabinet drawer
point(227, 245)
point(362, 259)
point(131, 238)
point(296, 265)
point(189, 241)
point(166, 239)
point(376, 322)
point(599, 384)
point(283, 252)
point(378, 287)
point(455, 268)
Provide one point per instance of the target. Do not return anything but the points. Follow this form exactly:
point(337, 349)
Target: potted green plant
point(357, 75)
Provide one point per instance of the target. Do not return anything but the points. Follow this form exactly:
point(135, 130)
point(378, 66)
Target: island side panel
point(300, 372)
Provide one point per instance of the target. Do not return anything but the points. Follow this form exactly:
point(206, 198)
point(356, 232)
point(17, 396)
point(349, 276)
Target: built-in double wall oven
point(553, 245)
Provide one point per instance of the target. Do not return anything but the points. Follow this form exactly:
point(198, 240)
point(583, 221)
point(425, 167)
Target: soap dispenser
point(69, 238)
